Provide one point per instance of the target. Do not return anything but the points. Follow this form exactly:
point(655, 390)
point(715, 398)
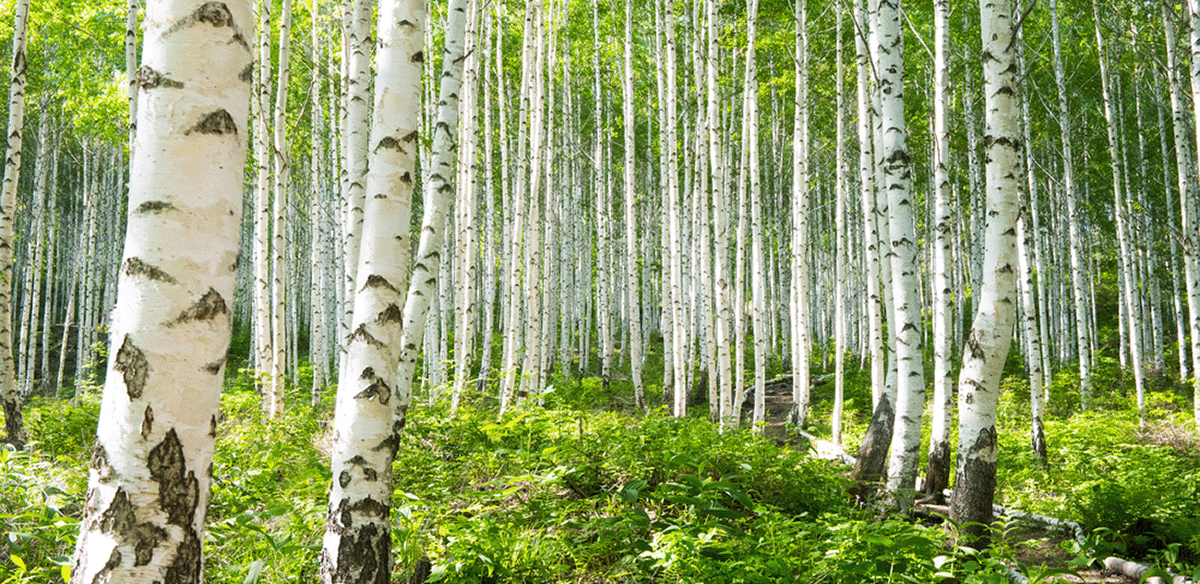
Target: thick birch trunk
point(151, 467)
point(991, 332)
point(801, 326)
point(357, 540)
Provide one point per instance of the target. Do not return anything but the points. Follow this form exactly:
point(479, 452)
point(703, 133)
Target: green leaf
point(255, 571)
point(18, 561)
point(437, 573)
point(65, 571)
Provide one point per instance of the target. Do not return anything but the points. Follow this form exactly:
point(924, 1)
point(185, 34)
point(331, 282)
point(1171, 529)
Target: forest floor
point(1030, 546)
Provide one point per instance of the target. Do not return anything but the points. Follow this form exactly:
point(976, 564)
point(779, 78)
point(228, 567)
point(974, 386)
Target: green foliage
point(39, 519)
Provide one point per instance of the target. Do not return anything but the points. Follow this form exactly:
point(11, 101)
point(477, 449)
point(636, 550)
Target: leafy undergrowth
point(567, 495)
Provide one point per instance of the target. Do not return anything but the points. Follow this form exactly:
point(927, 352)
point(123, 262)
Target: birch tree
point(151, 466)
point(357, 540)
point(631, 259)
point(991, 332)
point(905, 322)
point(14, 425)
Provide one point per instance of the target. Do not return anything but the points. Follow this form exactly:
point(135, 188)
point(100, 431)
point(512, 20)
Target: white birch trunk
point(14, 427)
point(274, 394)
point(938, 469)
point(801, 326)
point(151, 467)
point(357, 540)
point(991, 332)
point(634, 348)
point(1082, 324)
point(905, 325)
point(422, 283)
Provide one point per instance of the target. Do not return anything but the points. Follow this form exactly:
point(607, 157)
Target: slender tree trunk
point(274, 395)
point(906, 319)
point(631, 260)
point(937, 476)
point(1082, 327)
point(436, 205)
point(10, 399)
point(151, 466)
point(801, 326)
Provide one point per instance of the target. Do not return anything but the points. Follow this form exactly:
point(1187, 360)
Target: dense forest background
point(663, 294)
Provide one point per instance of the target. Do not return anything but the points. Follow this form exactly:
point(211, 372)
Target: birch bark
point(991, 332)
point(151, 467)
point(357, 539)
point(10, 399)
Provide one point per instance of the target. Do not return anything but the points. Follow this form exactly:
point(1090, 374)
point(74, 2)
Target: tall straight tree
point(800, 179)
point(14, 426)
point(631, 259)
point(357, 540)
point(1074, 244)
point(1191, 240)
point(421, 285)
point(274, 393)
point(991, 332)
point(938, 469)
point(151, 466)
point(905, 321)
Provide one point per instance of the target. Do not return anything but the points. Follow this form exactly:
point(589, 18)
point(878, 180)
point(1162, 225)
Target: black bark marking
point(217, 122)
point(344, 478)
point(390, 143)
point(214, 368)
point(14, 422)
point(377, 281)
point(370, 474)
point(363, 550)
point(937, 473)
point(247, 74)
point(214, 13)
point(418, 57)
point(361, 334)
point(378, 388)
point(185, 568)
point(131, 363)
point(406, 178)
point(410, 137)
point(154, 207)
point(390, 444)
point(136, 267)
point(212, 432)
point(147, 422)
point(119, 520)
point(178, 489)
point(114, 560)
point(98, 462)
point(871, 462)
point(975, 489)
point(208, 307)
point(147, 78)
point(357, 460)
point(390, 314)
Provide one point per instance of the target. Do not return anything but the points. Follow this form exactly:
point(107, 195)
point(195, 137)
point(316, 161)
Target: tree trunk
point(151, 466)
point(357, 540)
point(991, 332)
point(10, 398)
point(937, 476)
